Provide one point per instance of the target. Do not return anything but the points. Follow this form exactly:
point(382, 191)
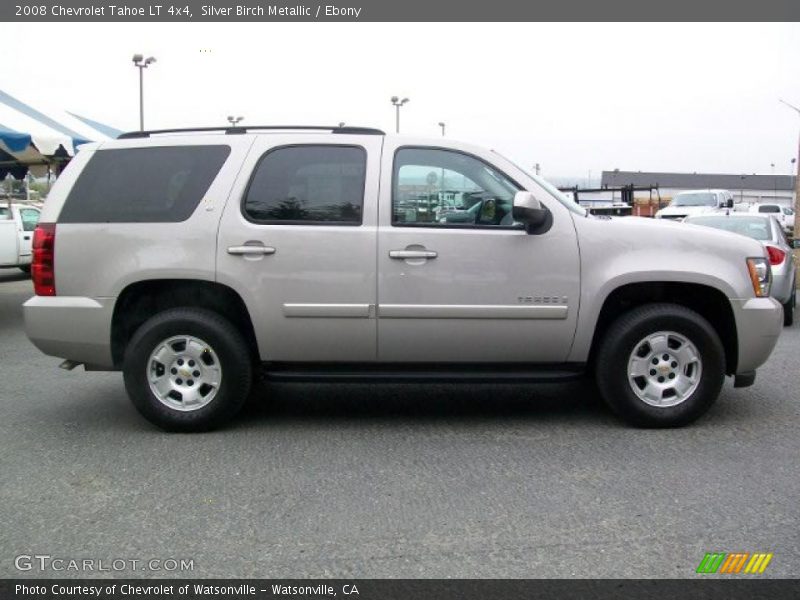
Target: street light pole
point(397, 104)
point(796, 176)
point(441, 124)
point(141, 98)
point(141, 63)
point(234, 120)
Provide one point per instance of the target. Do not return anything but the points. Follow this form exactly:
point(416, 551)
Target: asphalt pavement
point(390, 480)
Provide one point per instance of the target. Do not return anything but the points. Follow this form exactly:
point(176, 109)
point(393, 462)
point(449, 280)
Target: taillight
point(776, 255)
point(43, 266)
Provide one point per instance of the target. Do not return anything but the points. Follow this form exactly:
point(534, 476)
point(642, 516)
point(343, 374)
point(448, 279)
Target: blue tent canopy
point(36, 139)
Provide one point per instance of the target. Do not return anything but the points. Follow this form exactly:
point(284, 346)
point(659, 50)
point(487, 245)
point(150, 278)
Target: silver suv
point(191, 260)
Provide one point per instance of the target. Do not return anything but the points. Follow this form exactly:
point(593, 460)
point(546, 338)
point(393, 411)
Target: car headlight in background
point(760, 275)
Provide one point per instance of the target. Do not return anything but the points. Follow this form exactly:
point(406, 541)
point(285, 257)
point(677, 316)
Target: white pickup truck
point(696, 202)
point(17, 222)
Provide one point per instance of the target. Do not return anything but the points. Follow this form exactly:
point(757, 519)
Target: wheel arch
point(709, 302)
point(142, 299)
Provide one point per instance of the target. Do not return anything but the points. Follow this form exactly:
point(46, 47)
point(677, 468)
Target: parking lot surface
point(388, 480)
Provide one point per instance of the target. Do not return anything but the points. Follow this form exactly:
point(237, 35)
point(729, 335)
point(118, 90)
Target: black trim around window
point(518, 227)
point(250, 219)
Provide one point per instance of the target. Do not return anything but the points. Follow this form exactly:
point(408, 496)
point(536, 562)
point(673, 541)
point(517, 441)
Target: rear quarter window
point(143, 185)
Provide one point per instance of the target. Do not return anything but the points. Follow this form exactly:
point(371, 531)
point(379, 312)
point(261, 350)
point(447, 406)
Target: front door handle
point(406, 254)
point(251, 250)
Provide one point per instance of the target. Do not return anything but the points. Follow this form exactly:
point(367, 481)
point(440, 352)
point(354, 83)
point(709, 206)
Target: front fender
point(641, 251)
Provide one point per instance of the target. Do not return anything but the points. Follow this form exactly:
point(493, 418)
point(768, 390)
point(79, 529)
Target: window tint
point(445, 188)
point(143, 185)
point(30, 217)
point(302, 184)
point(769, 208)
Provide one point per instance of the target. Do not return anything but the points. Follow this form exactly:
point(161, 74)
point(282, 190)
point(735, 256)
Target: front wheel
point(660, 365)
point(187, 369)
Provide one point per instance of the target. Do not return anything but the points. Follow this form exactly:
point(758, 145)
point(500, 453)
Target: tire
point(788, 309)
point(626, 349)
point(25, 269)
point(214, 352)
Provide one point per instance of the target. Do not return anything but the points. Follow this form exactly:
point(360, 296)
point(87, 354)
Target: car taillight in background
point(43, 265)
point(776, 255)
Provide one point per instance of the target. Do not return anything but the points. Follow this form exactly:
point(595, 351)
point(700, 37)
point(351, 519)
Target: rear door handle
point(251, 250)
point(406, 254)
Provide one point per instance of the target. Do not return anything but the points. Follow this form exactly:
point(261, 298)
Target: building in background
point(745, 188)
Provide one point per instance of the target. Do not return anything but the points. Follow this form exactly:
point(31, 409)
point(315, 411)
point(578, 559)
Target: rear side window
point(308, 184)
point(143, 185)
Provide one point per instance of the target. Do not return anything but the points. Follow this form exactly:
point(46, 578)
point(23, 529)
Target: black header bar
point(397, 10)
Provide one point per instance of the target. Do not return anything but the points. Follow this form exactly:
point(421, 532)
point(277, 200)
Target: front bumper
point(759, 322)
point(71, 327)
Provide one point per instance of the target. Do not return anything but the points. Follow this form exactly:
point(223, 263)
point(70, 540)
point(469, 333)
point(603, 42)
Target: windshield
point(550, 188)
point(753, 227)
point(695, 199)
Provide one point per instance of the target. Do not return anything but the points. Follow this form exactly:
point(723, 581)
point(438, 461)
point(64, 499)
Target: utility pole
point(442, 125)
point(796, 176)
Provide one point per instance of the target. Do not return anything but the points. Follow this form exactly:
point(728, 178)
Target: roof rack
point(249, 128)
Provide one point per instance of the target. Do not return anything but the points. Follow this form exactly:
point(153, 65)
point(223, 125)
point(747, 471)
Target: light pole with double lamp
point(142, 63)
point(397, 104)
point(234, 121)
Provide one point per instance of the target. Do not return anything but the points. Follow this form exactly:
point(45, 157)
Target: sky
point(575, 98)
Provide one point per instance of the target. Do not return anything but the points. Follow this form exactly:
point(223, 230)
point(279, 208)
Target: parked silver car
point(766, 229)
point(190, 259)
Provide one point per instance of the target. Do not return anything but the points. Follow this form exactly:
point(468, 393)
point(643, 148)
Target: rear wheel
point(25, 268)
point(660, 365)
point(187, 370)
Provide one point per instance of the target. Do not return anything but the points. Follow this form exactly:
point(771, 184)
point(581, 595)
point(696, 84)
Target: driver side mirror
point(729, 203)
point(527, 209)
